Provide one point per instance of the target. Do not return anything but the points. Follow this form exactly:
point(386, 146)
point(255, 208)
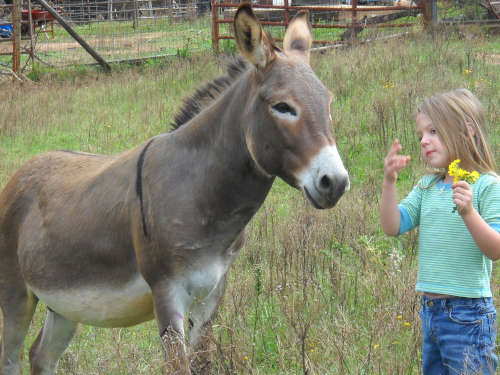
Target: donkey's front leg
point(201, 317)
point(170, 306)
point(202, 313)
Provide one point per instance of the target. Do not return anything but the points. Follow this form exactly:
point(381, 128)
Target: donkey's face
point(292, 135)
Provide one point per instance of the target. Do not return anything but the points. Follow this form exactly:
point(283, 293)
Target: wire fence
point(129, 30)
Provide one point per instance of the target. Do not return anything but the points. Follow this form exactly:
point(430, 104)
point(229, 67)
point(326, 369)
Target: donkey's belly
point(101, 306)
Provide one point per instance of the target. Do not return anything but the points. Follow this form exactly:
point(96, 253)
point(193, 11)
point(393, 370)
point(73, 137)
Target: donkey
point(114, 241)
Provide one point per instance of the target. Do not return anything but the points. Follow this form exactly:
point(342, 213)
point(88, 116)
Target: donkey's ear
point(299, 34)
point(250, 39)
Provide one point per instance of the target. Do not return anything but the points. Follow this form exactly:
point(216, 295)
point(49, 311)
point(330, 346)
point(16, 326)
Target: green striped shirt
point(449, 262)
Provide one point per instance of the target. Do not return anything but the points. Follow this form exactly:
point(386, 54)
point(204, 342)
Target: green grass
point(322, 289)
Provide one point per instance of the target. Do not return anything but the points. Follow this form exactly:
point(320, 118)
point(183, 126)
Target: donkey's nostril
point(325, 183)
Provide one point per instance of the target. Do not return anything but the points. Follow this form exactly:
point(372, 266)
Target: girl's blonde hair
point(459, 119)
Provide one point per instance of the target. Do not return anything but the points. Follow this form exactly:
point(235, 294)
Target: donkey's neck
point(209, 158)
point(220, 132)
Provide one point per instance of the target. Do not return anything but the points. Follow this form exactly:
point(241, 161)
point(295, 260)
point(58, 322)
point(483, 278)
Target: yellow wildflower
point(400, 317)
point(376, 346)
point(454, 169)
point(461, 175)
point(407, 324)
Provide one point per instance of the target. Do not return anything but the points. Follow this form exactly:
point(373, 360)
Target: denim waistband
point(445, 303)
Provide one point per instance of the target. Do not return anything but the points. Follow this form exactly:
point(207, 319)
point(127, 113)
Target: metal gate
point(349, 18)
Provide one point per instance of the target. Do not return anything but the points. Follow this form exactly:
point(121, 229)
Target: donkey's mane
point(206, 95)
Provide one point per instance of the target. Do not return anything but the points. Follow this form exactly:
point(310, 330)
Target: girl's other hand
point(462, 197)
point(393, 163)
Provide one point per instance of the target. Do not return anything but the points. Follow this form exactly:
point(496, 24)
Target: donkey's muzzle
point(331, 188)
point(325, 179)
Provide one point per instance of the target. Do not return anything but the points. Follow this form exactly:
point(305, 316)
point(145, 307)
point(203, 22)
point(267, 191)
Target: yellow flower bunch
point(461, 175)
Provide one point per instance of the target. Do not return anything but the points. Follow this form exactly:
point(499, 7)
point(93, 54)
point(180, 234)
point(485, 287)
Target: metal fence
point(116, 30)
point(129, 30)
point(333, 22)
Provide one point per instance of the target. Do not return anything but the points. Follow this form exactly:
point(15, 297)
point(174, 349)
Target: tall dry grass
point(313, 292)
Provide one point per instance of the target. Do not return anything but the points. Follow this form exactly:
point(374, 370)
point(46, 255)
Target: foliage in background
point(322, 292)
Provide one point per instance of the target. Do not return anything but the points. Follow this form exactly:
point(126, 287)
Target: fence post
point(215, 28)
point(354, 4)
point(429, 11)
point(287, 14)
point(16, 37)
point(135, 22)
point(434, 12)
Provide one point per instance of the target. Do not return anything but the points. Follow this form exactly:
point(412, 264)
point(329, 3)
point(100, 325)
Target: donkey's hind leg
point(201, 316)
point(54, 338)
point(18, 306)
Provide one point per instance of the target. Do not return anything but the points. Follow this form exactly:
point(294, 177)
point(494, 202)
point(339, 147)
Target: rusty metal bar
point(426, 12)
point(287, 14)
point(354, 21)
point(30, 20)
point(314, 26)
point(4, 40)
point(215, 28)
point(16, 37)
point(10, 53)
point(333, 8)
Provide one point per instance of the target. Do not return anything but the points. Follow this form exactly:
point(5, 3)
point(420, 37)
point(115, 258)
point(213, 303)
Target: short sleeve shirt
point(449, 262)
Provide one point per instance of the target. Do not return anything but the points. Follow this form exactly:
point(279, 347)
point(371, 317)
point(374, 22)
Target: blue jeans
point(459, 336)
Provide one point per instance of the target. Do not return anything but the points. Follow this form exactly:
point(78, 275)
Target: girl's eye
point(284, 108)
point(433, 131)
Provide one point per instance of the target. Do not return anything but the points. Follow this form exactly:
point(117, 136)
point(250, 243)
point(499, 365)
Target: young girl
point(456, 249)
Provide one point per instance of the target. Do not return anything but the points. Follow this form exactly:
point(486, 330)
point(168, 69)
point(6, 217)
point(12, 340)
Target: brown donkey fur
point(114, 241)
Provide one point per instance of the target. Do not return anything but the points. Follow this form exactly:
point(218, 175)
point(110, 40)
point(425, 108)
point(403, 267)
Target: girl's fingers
point(393, 163)
point(401, 160)
point(462, 197)
point(461, 184)
point(393, 152)
point(396, 147)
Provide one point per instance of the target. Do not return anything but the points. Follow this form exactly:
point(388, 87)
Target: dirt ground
point(113, 45)
point(116, 43)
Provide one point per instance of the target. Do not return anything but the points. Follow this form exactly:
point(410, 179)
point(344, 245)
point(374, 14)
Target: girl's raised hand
point(462, 197)
point(393, 163)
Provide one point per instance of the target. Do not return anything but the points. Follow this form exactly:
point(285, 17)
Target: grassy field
point(317, 292)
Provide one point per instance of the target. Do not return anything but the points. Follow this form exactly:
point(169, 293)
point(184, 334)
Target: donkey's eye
point(284, 108)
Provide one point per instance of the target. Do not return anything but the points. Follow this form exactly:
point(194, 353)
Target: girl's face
point(432, 150)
